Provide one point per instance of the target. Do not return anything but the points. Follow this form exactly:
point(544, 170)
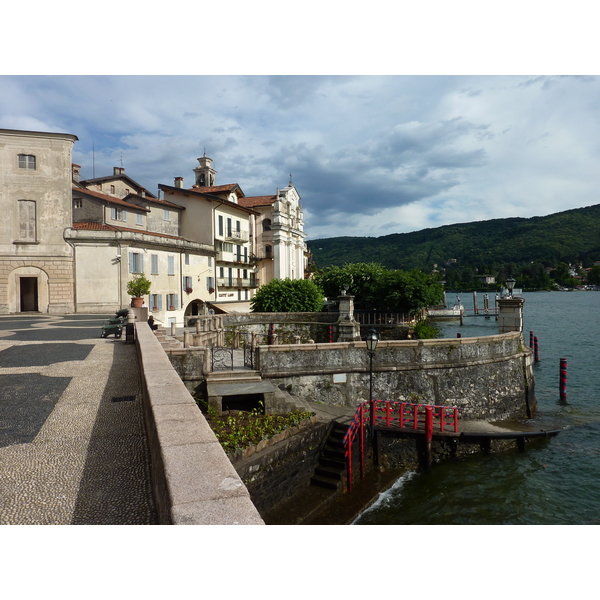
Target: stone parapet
point(193, 480)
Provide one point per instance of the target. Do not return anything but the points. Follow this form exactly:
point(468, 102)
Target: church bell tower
point(205, 174)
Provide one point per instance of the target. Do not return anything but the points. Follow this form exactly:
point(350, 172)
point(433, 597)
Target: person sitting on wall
point(151, 323)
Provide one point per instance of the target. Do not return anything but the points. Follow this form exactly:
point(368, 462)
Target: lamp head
point(372, 339)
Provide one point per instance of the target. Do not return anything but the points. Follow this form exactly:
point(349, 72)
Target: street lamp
point(372, 340)
point(510, 285)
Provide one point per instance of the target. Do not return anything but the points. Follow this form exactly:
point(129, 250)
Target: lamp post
point(372, 340)
point(510, 285)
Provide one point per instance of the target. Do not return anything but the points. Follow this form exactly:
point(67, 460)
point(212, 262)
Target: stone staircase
point(166, 341)
point(330, 473)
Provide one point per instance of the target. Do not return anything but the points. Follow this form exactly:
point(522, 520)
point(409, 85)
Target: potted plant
point(137, 288)
point(188, 290)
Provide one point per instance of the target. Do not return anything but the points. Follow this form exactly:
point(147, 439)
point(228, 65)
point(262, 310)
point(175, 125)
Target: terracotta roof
point(253, 201)
point(202, 194)
point(216, 188)
point(93, 226)
point(110, 199)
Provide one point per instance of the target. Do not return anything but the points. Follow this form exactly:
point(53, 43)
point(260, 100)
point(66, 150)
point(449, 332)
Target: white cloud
point(370, 155)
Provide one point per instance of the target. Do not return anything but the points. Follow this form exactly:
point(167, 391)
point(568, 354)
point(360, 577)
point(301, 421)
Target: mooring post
point(531, 339)
point(563, 381)
point(475, 307)
point(536, 350)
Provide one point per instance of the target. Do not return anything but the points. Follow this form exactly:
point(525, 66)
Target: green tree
point(593, 276)
point(288, 295)
point(375, 287)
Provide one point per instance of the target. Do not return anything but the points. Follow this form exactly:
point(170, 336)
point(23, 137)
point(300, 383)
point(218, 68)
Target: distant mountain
point(569, 236)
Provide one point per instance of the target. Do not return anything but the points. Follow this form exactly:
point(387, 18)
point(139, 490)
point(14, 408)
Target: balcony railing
point(232, 257)
point(237, 282)
point(236, 235)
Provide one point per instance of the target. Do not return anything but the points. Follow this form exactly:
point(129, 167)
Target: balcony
point(236, 235)
point(237, 282)
point(232, 257)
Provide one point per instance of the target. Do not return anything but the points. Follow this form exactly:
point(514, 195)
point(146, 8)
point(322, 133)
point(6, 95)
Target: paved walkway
point(73, 447)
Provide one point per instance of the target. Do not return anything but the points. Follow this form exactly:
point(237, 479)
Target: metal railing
point(399, 415)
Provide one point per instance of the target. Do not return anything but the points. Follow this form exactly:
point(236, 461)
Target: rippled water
point(555, 481)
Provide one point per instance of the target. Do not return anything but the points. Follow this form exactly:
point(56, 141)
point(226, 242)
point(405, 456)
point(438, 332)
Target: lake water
point(555, 481)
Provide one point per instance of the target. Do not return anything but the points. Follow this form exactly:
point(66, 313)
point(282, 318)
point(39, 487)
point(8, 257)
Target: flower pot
point(137, 302)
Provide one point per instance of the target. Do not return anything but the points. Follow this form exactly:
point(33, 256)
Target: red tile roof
point(93, 226)
point(214, 189)
point(253, 201)
point(108, 198)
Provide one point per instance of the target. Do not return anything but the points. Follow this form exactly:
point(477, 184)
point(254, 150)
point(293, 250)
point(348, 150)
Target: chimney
point(142, 192)
point(118, 171)
point(179, 182)
point(75, 170)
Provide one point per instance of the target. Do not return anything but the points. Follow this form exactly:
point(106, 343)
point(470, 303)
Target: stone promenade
point(73, 447)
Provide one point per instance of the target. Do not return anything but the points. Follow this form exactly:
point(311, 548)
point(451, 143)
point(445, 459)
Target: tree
point(374, 287)
point(288, 295)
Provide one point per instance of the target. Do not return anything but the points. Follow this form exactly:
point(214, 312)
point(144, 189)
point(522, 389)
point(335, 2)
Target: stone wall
point(279, 471)
point(193, 480)
point(486, 378)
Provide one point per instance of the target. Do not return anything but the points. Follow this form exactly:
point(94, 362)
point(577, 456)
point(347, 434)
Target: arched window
point(266, 224)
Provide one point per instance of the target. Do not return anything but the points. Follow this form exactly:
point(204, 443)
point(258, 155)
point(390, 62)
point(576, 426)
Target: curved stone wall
point(486, 377)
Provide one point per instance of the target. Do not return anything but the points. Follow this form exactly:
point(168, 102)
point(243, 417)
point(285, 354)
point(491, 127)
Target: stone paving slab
point(88, 463)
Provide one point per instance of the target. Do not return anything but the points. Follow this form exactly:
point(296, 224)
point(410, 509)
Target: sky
point(431, 116)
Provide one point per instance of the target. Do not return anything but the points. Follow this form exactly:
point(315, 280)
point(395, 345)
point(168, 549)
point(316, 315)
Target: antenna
point(121, 159)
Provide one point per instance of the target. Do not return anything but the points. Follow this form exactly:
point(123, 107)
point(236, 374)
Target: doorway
point(29, 294)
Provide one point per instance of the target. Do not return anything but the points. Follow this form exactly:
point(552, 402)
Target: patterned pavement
point(73, 447)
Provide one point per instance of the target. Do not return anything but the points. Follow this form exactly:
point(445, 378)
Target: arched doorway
point(195, 309)
point(28, 290)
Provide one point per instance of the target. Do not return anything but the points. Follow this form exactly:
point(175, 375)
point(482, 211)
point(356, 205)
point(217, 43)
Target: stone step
point(328, 472)
point(326, 482)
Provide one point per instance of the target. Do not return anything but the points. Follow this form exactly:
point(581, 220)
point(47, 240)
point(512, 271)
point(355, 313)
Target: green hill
point(569, 236)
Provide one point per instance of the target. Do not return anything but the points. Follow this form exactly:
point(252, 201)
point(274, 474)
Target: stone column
point(510, 314)
point(348, 328)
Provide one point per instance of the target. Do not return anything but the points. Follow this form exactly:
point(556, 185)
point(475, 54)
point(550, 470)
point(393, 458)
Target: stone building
point(71, 245)
point(36, 262)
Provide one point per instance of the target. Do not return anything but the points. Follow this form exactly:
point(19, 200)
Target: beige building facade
point(36, 263)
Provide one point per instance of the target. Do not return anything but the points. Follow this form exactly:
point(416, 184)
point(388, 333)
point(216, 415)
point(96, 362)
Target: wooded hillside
point(571, 236)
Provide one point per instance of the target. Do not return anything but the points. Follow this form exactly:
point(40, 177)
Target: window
point(118, 214)
point(155, 302)
point(210, 284)
point(266, 224)
point(26, 161)
point(221, 272)
point(139, 219)
point(78, 203)
point(154, 264)
point(220, 224)
point(136, 262)
point(27, 225)
point(210, 261)
point(268, 251)
point(238, 228)
point(227, 247)
point(112, 189)
point(186, 259)
point(167, 215)
point(229, 227)
point(171, 265)
point(187, 284)
point(245, 254)
point(172, 301)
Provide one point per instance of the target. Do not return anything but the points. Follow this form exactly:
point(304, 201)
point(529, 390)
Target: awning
point(231, 307)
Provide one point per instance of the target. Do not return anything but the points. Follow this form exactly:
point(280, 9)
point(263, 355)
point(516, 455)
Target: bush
point(424, 331)
point(288, 295)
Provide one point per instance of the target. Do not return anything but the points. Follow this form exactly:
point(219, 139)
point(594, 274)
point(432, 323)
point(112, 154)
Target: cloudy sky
point(369, 154)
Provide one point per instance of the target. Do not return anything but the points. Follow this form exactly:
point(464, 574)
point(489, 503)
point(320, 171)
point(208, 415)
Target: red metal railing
point(400, 415)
